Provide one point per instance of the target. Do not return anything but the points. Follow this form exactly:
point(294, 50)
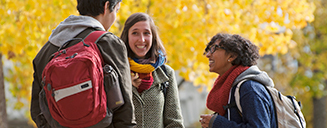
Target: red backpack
point(73, 84)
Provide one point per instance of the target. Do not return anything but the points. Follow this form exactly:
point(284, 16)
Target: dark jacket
point(257, 104)
point(113, 52)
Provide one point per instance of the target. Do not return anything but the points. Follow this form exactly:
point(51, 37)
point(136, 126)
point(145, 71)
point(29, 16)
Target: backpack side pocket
point(112, 88)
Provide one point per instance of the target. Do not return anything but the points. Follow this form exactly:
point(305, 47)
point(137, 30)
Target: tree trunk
point(3, 112)
point(320, 112)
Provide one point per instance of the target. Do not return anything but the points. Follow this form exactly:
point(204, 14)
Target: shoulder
point(161, 75)
point(251, 86)
point(166, 68)
point(44, 55)
point(111, 41)
point(111, 38)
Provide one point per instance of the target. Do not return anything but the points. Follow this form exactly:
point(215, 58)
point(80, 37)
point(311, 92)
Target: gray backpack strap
point(237, 94)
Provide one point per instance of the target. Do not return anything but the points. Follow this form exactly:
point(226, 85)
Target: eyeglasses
point(212, 49)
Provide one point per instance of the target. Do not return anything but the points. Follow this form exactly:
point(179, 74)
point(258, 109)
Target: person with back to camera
point(153, 108)
point(234, 59)
point(95, 15)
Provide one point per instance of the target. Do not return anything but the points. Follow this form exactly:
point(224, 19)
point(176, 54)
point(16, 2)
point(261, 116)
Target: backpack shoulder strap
point(237, 95)
point(95, 36)
point(164, 85)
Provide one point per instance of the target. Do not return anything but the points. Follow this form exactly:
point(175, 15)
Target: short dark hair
point(94, 7)
point(156, 41)
point(247, 53)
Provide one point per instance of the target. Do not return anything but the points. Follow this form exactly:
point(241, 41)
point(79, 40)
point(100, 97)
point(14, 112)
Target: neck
point(100, 19)
point(225, 69)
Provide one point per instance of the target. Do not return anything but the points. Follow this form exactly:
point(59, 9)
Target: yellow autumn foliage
point(185, 27)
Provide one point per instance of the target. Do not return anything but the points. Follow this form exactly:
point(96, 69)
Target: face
point(140, 38)
point(111, 16)
point(219, 61)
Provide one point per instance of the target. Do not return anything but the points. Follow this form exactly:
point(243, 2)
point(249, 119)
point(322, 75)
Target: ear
point(232, 57)
point(106, 7)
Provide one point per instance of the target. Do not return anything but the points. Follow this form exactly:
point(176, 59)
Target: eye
point(134, 33)
point(213, 48)
point(147, 33)
point(210, 49)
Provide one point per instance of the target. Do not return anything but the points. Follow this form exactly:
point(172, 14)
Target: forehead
point(216, 43)
point(141, 25)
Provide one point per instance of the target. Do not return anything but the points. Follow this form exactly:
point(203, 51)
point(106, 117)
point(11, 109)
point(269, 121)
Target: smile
point(140, 46)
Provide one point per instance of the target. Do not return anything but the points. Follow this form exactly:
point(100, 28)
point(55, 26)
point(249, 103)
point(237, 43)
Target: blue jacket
point(257, 105)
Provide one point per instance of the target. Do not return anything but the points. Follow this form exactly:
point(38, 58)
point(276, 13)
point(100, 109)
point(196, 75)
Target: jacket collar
point(159, 76)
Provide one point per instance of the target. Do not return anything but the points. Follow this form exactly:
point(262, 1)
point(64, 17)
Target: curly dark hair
point(247, 53)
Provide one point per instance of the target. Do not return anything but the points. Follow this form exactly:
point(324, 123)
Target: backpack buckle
point(107, 69)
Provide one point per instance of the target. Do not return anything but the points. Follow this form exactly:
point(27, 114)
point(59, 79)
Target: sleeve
point(114, 52)
point(35, 108)
point(212, 120)
point(39, 63)
point(172, 110)
point(256, 105)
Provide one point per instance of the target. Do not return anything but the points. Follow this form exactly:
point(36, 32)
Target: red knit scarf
point(219, 94)
point(146, 78)
point(146, 82)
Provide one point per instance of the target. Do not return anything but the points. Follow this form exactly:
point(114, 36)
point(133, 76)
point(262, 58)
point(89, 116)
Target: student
point(234, 59)
point(95, 15)
point(153, 108)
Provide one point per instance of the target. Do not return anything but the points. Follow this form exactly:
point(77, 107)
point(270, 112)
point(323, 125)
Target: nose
point(208, 54)
point(142, 39)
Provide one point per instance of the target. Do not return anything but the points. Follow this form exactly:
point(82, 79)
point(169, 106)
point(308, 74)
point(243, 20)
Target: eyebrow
point(139, 29)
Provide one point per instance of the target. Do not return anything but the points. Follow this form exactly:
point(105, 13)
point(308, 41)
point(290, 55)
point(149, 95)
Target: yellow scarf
point(140, 68)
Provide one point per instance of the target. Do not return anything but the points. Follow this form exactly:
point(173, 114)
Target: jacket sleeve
point(256, 106)
point(35, 108)
point(172, 110)
point(39, 62)
point(114, 52)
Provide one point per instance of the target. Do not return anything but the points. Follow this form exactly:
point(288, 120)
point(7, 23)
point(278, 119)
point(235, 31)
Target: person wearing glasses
point(234, 59)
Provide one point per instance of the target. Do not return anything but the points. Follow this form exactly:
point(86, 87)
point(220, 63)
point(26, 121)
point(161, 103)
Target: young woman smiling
point(234, 59)
point(153, 108)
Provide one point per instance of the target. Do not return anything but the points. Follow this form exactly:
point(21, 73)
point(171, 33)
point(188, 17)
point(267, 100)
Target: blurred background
point(291, 35)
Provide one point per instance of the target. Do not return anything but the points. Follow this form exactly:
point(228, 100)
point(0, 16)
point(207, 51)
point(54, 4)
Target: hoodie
point(254, 73)
point(113, 51)
point(71, 27)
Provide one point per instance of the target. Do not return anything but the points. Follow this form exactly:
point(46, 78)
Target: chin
point(213, 71)
point(140, 56)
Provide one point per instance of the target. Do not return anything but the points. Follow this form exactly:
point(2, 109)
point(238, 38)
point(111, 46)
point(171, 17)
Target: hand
point(205, 120)
point(135, 79)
